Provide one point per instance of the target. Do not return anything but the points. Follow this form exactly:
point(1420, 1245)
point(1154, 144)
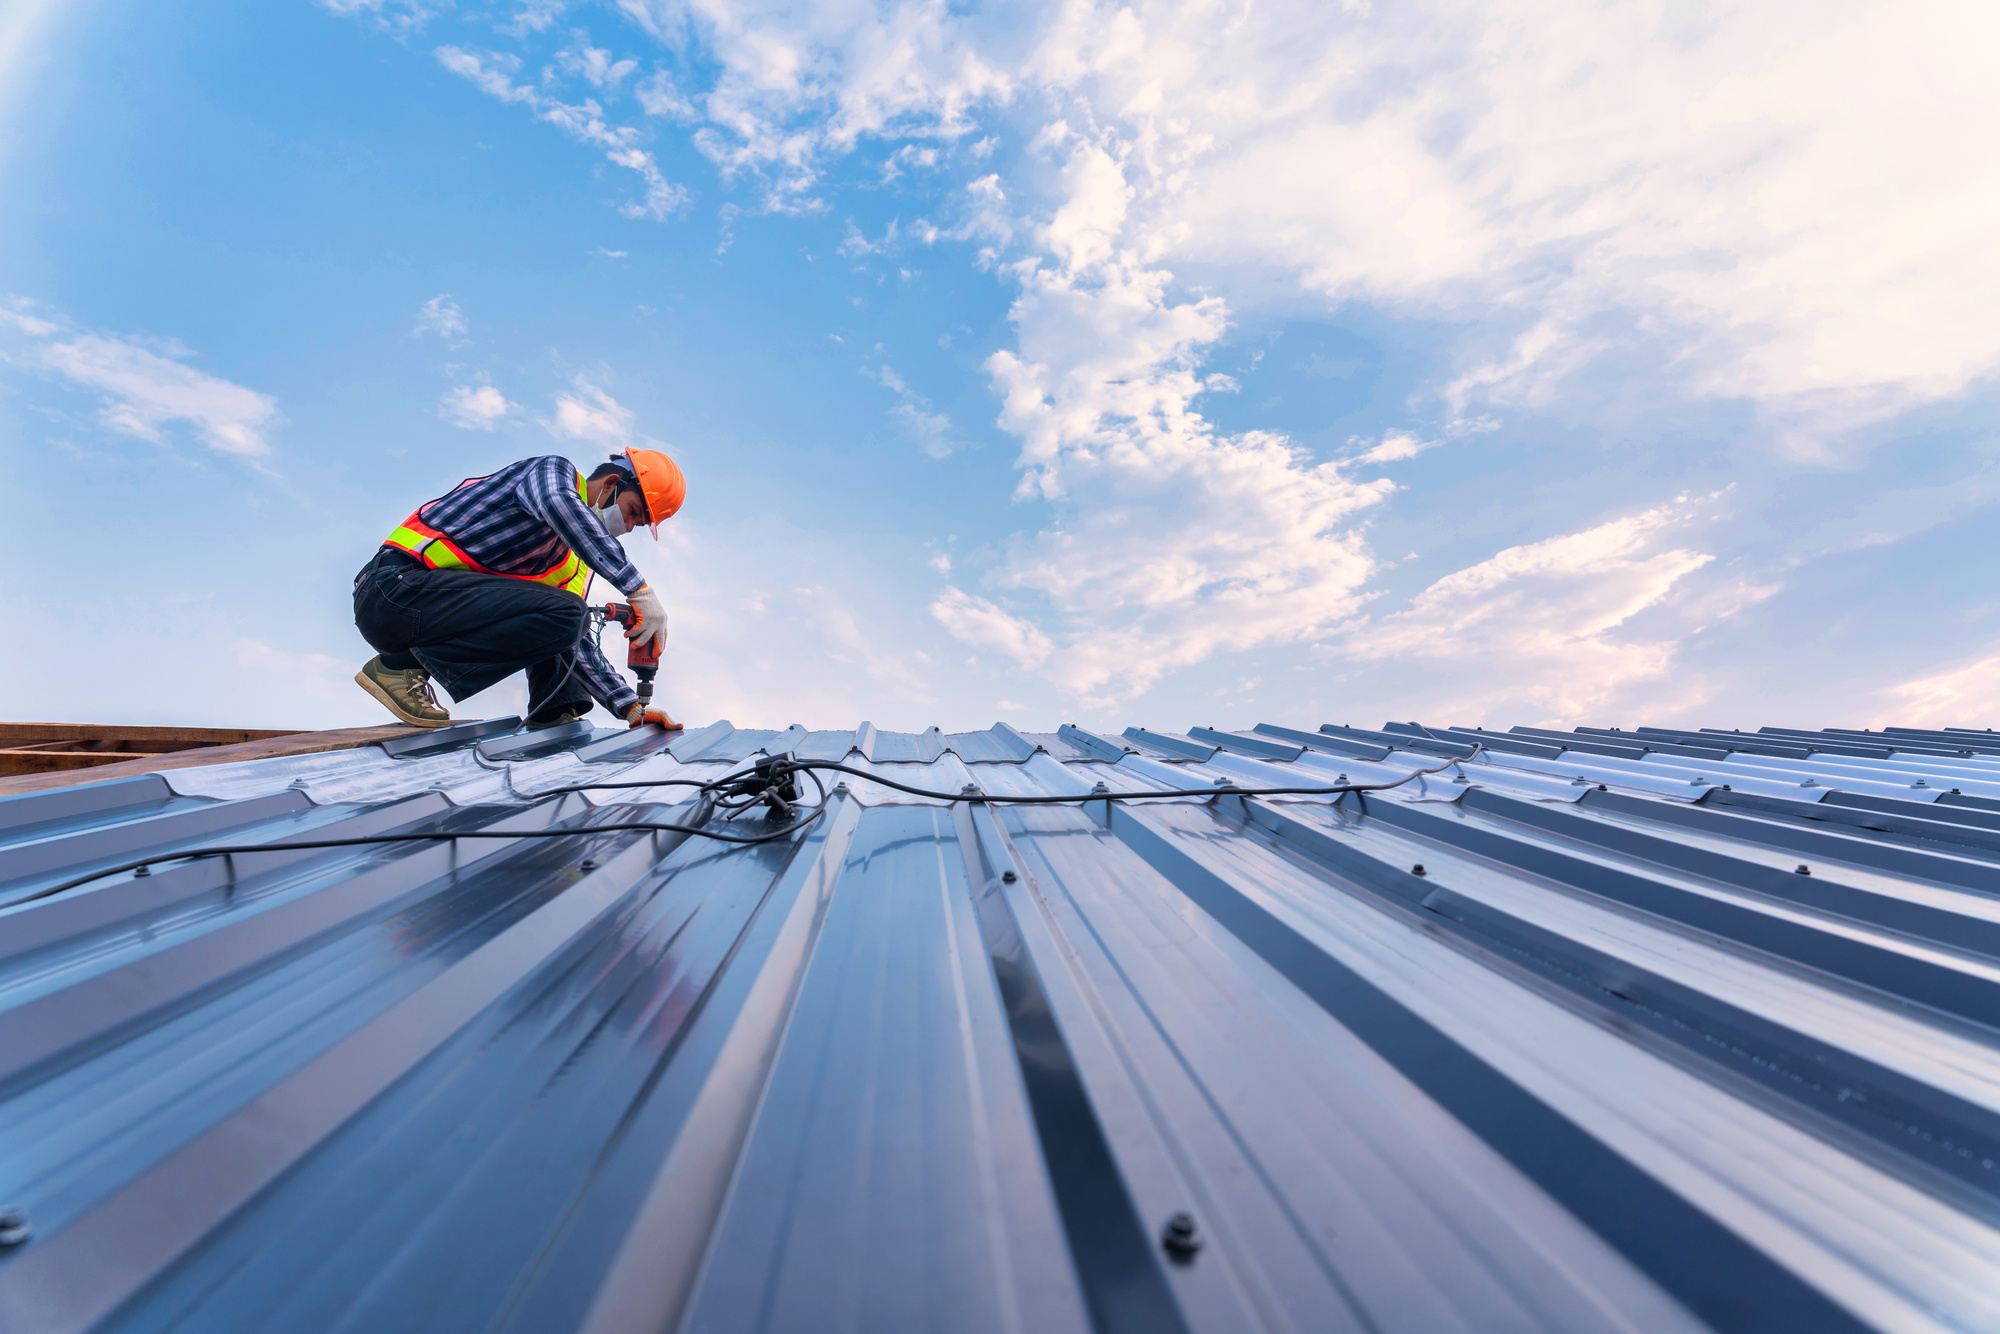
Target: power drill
point(644, 660)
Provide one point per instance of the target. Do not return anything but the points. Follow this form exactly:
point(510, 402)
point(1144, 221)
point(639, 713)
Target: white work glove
point(652, 617)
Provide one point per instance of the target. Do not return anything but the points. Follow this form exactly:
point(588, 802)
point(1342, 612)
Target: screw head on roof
point(1008, 877)
point(1418, 869)
point(1341, 779)
point(14, 1228)
point(142, 872)
point(1810, 782)
point(1101, 788)
point(1603, 788)
point(1803, 869)
point(1181, 1238)
point(969, 790)
point(587, 864)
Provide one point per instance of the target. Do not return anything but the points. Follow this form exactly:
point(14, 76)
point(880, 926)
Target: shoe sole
point(389, 702)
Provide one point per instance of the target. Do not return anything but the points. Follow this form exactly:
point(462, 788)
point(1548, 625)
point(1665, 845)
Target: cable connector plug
point(771, 781)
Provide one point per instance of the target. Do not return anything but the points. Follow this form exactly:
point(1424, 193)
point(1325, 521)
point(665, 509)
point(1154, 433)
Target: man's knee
point(554, 623)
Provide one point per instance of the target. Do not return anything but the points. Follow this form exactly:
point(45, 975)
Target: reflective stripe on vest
point(439, 552)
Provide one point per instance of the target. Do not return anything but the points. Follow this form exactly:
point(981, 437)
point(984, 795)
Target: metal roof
point(1593, 1030)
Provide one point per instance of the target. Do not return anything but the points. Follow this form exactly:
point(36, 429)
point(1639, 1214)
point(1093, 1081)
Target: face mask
point(613, 520)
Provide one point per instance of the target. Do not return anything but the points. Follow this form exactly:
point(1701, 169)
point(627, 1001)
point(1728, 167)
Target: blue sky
point(1171, 364)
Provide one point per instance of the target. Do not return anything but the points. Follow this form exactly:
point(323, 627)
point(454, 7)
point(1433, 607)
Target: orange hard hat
point(660, 481)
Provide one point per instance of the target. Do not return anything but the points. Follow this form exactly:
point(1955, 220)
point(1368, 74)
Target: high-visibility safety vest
point(439, 552)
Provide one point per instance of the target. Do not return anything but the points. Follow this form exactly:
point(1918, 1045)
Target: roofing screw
point(1418, 869)
point(969, 790)
point(14, 1227)
point(1008, 877)
point(142, 873)
point(1181, 1238)
point(1602, 788)
point(1804, 869)
point(1100, 790)
point(587, 864)
point(1920, 783)
point(1342, 778)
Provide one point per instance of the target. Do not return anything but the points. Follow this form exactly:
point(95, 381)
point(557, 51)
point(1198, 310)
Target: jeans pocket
point(402, 589)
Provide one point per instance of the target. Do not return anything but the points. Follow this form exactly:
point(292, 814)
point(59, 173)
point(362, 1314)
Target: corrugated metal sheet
point(1594, 1030)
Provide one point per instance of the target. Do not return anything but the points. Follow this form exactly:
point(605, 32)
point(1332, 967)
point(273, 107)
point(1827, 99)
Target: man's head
point(615, 481)
point(647, 486)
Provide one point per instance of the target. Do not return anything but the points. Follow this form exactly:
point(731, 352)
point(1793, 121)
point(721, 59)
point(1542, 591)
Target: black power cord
point(770, 783)
point(1225, 788)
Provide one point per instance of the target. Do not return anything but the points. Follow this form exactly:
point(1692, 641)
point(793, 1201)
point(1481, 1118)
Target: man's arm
point(603, 682)
point(548, 491)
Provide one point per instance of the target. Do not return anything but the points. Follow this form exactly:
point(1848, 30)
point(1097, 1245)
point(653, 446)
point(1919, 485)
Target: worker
point(490, 579)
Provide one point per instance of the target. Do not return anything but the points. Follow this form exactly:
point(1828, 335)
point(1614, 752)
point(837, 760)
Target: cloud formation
point(440, 315)
point(143, 388)
point(591, 414)
point(474, 407)
point(1544, 619)
point(1772, 201)
point(584, 122)
point(929, 431)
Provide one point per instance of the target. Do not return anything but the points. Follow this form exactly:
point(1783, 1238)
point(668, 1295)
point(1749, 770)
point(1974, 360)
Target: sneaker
point(406, 694)
point(563, 713)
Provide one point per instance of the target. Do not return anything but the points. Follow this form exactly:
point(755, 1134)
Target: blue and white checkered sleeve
point(548, 491)
point(602, 680)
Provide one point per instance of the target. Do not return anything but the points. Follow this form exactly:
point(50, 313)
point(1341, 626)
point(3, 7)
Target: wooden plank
point(45, 761)
point(263, 748)
point(17, 734)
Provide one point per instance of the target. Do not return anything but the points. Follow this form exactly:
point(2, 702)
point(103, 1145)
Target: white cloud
point(975, 620)
point(143, 388)
point(798, 83)
point(1775, 199)
point(584, 122)
point(660, 96)
point(144, 391)
point(440, 315)
point(594, 64)
point(32, 325)
point(536, 16)
point(591, 414)
point(1780, 191)
point(1393, 447)
point(1953, 698)
point(474, 408)
point(1546, 621)
point(396, 15)
point(930, 431)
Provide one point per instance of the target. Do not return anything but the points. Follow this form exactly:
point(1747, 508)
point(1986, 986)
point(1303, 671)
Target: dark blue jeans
point(471, 630)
